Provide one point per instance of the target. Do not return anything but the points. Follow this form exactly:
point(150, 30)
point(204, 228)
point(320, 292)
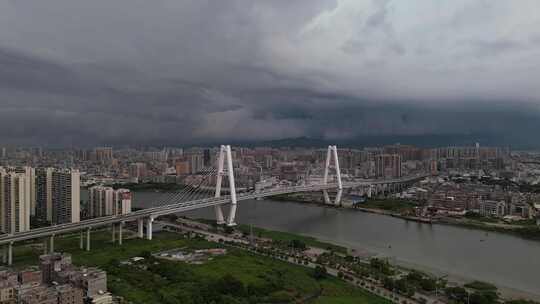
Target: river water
point(501, 259)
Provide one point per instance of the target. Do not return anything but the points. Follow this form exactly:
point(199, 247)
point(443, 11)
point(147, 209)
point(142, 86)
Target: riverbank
point(529, 232)
point(238, 276)
point(397, 208)
point(454, 280)
point(457, 279)
point(502, 259)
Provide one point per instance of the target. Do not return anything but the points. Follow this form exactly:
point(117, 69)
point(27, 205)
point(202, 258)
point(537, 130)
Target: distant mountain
point(428, 140)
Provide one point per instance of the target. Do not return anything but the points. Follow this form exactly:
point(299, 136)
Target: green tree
point(319, 272)
point(297, 244)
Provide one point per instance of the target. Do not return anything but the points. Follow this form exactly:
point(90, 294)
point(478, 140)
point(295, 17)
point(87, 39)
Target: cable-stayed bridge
point(203, 191)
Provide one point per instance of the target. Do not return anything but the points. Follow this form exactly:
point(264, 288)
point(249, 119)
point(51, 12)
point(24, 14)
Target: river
point(504, 260)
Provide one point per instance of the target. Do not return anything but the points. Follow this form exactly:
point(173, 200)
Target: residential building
point(30, 186)
point(196, 163)
point(182, 167)
point(44, 205)
point(93, 281)
point(66, 199)
point(38, 295)
point(105, 201)
point(137, 171)
point(68, 294)
point(492, 208)
point(122, 202)
point(101, 201)
point(103, 154)
point(8, 285)
point(14, 201)
point(49, 264)
point(105, 298)
point(31, 276)
point(387, 166)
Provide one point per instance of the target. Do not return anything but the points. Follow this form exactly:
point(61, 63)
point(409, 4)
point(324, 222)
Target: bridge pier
point(51, 244)
point(113, 228)
point(338, 197)
point(81, 240)
point(4, 254)
point(10, 254)
point(45, 246)
point(140, 228)
point(120, 233)
point(149, 227)
point(88, 239)
point(326, 197)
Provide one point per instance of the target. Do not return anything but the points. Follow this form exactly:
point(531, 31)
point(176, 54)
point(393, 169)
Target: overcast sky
point(173, 71)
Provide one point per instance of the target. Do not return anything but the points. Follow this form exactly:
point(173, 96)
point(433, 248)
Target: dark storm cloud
point(176, 72)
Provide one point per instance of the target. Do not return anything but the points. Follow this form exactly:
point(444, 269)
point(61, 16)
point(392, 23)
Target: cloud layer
point(178, 72)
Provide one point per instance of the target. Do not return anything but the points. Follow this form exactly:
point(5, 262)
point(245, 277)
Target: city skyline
point(197, 72)
point(269, 151)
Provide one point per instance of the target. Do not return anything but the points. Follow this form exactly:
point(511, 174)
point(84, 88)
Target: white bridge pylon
point(225, 155)
point(332, 155)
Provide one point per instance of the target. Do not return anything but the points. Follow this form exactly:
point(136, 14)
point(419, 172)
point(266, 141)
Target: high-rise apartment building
point(196, 163)
point(137, 170)
point(105, 201)
point(207, 158)
point(14, 202)
point(66, 196)
point(44, 205)
point(181, 167)
point(387, 165)
point(30, 187)
point(122, 201)
point(103, 154)
point(101, 201)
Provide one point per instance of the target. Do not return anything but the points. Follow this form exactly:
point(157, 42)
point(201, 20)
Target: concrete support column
point(4, 254)
point(45, 246)
point(113, 227)
point(149, 227)
point(81, 240)
point(140, 228)
point(10, 254)
point(120, 233)
point(338, 197)
point(326, 197)
point(51, 244)
point(88, 239)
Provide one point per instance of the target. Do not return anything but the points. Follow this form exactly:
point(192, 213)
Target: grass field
point(255, 278)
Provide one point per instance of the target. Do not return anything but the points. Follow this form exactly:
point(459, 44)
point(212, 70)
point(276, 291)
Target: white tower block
point(225, 154)
point(332, 154)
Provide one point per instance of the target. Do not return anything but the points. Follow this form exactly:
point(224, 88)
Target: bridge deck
point(182, 207)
